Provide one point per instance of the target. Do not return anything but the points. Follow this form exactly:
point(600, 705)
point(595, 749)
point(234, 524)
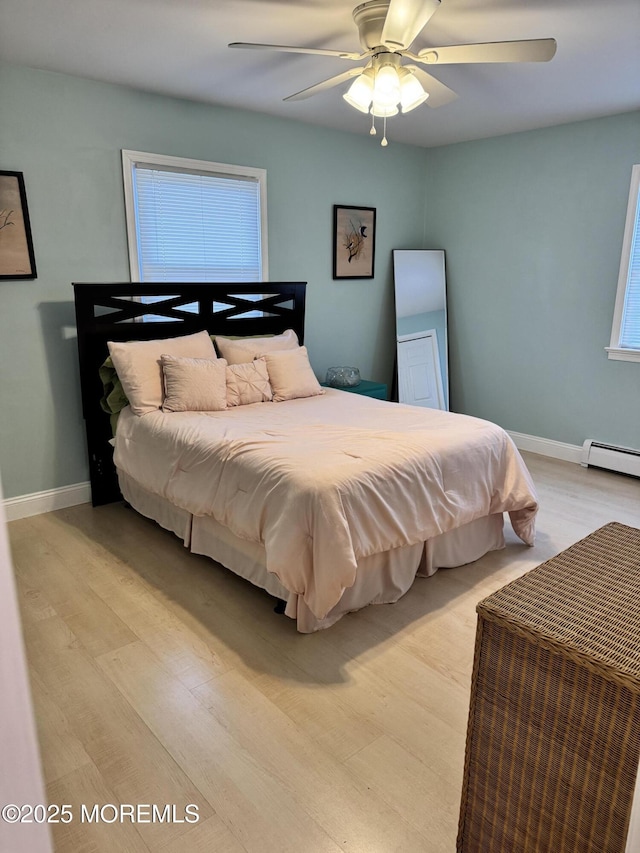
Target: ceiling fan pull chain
point(384, 142)
point(373, 130)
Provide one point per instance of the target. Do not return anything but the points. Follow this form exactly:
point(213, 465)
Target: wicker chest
point(553, 742)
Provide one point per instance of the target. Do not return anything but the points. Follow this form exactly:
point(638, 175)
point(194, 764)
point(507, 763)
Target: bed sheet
point(323, 481)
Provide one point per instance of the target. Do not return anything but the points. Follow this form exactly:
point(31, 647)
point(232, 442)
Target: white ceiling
point(179, 47)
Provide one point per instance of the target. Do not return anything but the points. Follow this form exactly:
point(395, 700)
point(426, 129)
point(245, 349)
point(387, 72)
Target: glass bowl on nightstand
point(342, 377)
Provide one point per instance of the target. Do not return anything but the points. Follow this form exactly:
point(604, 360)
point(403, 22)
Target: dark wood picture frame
point(17, 260)
point(354, 241)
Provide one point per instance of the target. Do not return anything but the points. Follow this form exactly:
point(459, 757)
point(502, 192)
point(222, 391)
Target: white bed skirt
point(381, 578)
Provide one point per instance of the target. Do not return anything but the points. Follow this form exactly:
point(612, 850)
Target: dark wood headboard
point(112, 312)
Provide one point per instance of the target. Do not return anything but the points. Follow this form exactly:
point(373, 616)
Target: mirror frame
point(438, 332)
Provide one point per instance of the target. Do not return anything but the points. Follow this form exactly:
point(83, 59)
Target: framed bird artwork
point(354, 241)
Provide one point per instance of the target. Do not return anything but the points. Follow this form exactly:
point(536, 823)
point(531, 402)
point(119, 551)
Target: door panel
point(419, 376)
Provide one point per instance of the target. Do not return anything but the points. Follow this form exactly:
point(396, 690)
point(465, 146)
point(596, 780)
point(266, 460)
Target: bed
point(328, 502)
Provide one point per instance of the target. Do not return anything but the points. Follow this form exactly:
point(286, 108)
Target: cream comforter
point(324, 481)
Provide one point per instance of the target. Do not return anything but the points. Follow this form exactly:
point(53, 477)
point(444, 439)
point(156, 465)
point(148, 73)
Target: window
point(191, 220)
point(625, 335)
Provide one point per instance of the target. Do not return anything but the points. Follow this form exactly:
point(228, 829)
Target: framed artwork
point(17, 260)
point(354, 241)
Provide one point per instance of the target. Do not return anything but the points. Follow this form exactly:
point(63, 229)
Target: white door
point(419, 374)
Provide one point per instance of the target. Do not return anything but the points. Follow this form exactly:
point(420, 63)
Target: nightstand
point(378, 390)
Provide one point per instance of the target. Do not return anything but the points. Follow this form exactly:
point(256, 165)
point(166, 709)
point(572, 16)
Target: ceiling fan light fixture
point(411, 92)
point(360, 94)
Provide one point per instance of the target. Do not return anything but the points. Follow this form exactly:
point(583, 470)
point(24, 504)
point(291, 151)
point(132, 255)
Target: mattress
point(322, 483)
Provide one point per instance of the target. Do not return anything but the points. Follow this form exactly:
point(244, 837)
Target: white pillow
point(194, 384)
point(248, 383)
point(244, 350)
point(139, 368)
point(291, 376)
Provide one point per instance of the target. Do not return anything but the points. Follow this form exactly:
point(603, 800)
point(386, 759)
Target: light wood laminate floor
point(160, 678)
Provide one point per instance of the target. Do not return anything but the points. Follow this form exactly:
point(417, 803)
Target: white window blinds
point(194, 220)
point(625, 332)
point(197, 227)
point(630, 325)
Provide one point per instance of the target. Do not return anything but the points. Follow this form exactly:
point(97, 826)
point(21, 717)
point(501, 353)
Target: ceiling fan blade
point(405, 20)
point(283, 48)
point(326, 84)
point(531, 50)
point(439, 94)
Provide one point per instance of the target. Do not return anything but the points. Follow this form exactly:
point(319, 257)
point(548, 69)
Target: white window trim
point(131, 159)
point(614, 350)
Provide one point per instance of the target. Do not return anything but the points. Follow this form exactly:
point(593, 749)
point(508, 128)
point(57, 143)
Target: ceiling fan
point(383, 86)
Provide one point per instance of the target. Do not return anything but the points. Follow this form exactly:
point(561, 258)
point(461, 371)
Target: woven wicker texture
point(554, 729)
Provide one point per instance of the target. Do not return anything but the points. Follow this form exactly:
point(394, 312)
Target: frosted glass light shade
point(411, 92)
point(387, 87)
point(360, 93)
point(382, 111)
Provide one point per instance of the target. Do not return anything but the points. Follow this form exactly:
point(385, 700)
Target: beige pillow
point(291, 376)
point(194, 384)
point(248, 383)
point(139, 368)
point(244, 350)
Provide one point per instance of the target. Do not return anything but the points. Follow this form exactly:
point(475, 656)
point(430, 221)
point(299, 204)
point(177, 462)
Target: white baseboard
point(547, 447)
point(25, 506)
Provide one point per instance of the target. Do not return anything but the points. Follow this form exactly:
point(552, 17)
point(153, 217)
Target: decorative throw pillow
point(194, 384)
point(139, 367)
point(291, 376)
point(244, 350)
point(248, 383)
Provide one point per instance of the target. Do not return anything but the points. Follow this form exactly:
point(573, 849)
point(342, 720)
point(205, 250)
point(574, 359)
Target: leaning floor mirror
point(421, 328)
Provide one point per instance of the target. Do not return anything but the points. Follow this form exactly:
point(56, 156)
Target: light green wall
point(66, 134)
point(532, 226)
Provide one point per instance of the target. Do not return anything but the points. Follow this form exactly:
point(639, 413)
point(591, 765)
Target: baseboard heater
point(625, 460)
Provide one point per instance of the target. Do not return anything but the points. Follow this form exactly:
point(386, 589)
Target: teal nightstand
point(378, 390)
